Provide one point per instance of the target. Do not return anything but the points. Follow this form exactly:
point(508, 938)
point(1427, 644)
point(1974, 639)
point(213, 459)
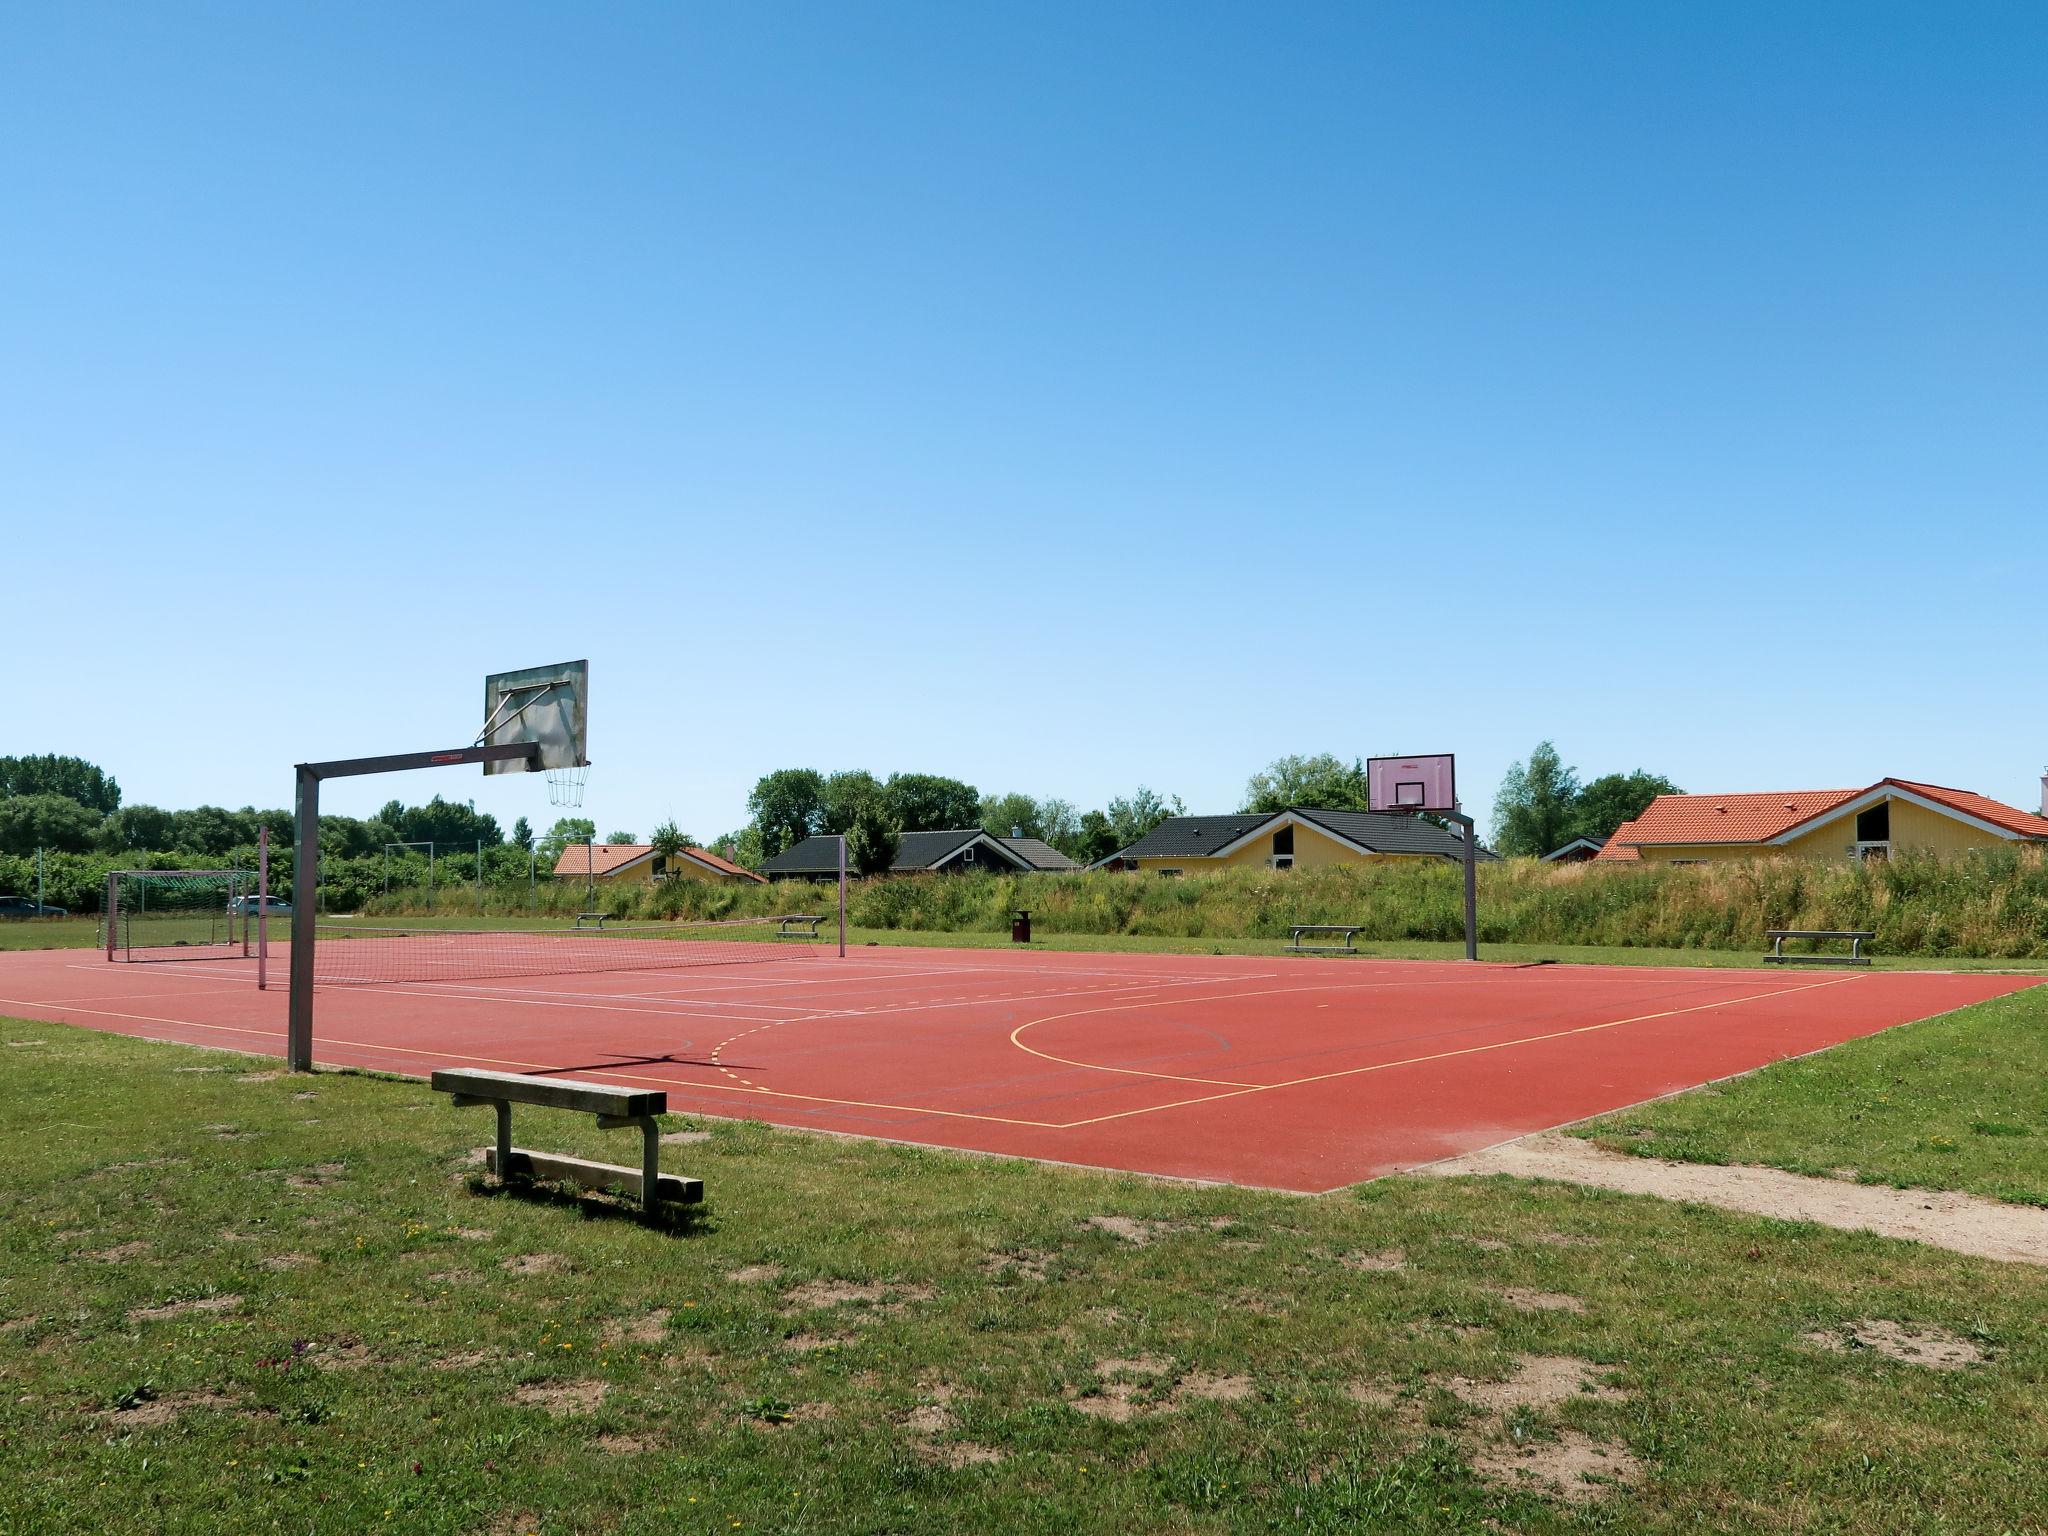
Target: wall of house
point(1312, 849)
point(1913, 827)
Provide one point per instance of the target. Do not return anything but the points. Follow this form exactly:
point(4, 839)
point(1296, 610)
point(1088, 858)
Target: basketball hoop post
point(1427, 785)
point(842, 895)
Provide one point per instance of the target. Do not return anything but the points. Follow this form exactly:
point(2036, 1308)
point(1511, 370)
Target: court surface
point(1299, 1074)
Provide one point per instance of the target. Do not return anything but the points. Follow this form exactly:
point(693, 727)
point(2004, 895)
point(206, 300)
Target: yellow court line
point(1469, 1050)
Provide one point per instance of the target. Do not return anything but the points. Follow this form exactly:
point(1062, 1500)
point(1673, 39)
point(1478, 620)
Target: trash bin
point(1020, 928)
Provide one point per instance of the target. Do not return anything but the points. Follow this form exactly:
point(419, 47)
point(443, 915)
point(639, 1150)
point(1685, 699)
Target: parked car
point(249, 906)
point(27, 906)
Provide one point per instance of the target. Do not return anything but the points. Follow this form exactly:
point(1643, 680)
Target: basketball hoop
point(565, 785)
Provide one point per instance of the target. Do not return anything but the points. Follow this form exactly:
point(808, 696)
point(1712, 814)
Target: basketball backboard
point(1427, 782)
point(546, 705)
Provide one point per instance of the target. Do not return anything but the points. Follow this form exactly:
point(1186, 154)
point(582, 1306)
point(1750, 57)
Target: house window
point(1169, 874)
point(967, 857)
point(1875, 824)
point(1283, 861)
point(1283, 841)
point(660, 867)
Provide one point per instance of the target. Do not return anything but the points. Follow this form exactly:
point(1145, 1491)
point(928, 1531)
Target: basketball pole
point(842, 895)
point(1471, 883)
point(298, 1048)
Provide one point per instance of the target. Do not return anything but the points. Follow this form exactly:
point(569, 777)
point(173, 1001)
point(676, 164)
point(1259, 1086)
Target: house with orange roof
point(639, 864)
point(1837, 825)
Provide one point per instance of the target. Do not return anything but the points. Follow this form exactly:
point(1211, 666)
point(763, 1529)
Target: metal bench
point(615, 1108)
point(591, 919)
point(785, 927)
point(1854, 936)
point(1350, 933)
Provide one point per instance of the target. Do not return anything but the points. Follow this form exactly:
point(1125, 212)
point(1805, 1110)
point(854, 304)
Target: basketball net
point(565, 785)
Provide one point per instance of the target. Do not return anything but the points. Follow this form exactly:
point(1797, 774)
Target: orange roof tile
point(1748, 818)
point(604, 859)
point(1618, 849)
point(1983, 807)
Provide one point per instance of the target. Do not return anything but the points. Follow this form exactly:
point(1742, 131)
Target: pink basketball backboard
point(1424, 783)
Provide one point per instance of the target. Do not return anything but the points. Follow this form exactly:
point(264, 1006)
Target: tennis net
point(347, 954)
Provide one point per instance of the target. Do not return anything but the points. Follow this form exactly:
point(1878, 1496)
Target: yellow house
point(1296, 838)
point(1826, 824)
point(639, 864)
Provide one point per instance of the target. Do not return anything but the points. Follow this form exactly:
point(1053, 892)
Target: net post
point(263, 907)
point(842, 895)
point(112, 907)
point(305, 867)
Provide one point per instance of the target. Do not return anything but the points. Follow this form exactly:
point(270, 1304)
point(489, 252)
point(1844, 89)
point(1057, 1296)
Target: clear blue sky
point(1063, 398)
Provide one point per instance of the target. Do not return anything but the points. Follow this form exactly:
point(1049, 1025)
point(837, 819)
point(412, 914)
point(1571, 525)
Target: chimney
point(2044, 794)
point(1017, 831)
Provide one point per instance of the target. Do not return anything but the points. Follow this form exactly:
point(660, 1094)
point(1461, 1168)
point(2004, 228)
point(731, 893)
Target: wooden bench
point(785, 927)
point(1296, 932)
point(1854, 936)
point(615, 1108)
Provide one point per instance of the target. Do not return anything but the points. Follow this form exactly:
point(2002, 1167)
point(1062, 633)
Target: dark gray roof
point(1583, 840)
point(1200, 837)
point(819, 856)
point(1038, 854)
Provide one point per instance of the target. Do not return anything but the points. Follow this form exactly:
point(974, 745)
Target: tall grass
point(1991, 904)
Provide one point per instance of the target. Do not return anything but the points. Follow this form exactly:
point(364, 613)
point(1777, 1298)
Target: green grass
point(1957, 1102)
point(50, 933)
point(341, 1216)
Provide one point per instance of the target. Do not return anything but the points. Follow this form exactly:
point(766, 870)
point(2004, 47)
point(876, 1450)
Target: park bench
point(591, 919)
point(785, 927)
point(1853, 936)
point(616, 1109)
point(1296, 933)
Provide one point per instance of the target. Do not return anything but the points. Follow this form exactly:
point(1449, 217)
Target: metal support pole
point(263, 907)
point(1471, 883)
point(430, 875)
point(39, 882)
point(479, 875)
point(842, 895)
point(305, 891)
point(112, 909)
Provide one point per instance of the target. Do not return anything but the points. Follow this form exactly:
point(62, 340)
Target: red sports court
point(1277, 1071)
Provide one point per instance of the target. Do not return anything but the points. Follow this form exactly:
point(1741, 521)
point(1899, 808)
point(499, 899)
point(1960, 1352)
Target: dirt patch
point(624, 1445)
point(1027, 1262)
point(1540, 1301)
point(179, 1069)
point(651, 1329)
point(1935, 1348)
point(1126, 1389)
point(1988, 1229)
point(147, 1162)
point(120, 1253)
point(929, 1419)
point(145, 1409)
point(875, 1296)
point(472, 1234)
point(172, 1309)
point(961, 1454)
point(319, 1176)
point(24, 1045)
point(1539, 1381)
point(1573, 1466)
point(755, 1274)
point(684, 1138)
point(342, 1355)
point(810, 1343)
point(282, 1261)
point(465, 1360)
point(1207, 1387)
point(1130, 1228)
point(534, 1264)
point(1384, 1262)
point(261, 1077)
point(560, 1398)
point(451, 1277)
point(524, 1523)
point(302, 1097)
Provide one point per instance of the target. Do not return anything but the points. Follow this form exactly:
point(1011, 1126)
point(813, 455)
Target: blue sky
point(1063, 398)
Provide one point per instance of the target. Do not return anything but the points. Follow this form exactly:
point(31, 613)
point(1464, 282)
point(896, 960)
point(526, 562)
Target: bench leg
point(504, 1109)
point(650, 1167)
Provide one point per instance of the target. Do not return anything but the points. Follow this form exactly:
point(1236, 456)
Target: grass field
point(82, 933)
point(232, 1301)
point(1959, 1102)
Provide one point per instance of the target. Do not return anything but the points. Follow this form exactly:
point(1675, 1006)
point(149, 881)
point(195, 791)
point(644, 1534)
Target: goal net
point(179, 914)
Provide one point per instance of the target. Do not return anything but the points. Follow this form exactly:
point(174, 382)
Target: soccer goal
point(179, 914)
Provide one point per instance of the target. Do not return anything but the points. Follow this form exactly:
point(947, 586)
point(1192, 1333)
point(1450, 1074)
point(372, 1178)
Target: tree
point(622, 839)
point(669, 841)
point(1613, 798)
point(929, 802)
point(742, 847)
point(1537, 807)
point(136, 827)
point(1320, 783)
point(1059, 825)
point(570, 829)
point(787, 806)
point(1131, 819)
point(842, 796)
point(72, 777)
point(872, 840)
point(56, 822)
point(1000, 813)
point(445, 821)
point(522, 835)
point(1095, 839)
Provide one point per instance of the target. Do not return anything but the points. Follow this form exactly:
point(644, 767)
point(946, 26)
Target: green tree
point(930, 802)
point(669, 841)
point(1059, 824)
point(841, 797)
point(999, 813)
point(446, 821)
point(1131, 819)
point(136, 827)
point(567, 831)
point(1094, 839)
point(1321, 782)
point(787, 806)
point(72, 777)
point(622, 839)
point(58, 822)
point(522, 835)
point(1606, 802)
point(742, 847)
point(1537, 807)
point(872, 840)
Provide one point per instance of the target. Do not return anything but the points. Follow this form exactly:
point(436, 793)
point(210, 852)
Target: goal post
point(178, 914)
